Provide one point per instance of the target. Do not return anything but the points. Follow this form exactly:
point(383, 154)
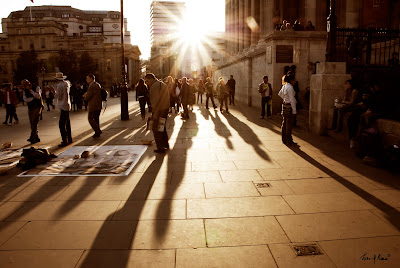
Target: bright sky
point(209, 14)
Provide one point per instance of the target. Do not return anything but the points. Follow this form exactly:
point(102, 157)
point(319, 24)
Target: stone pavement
point(227, 194)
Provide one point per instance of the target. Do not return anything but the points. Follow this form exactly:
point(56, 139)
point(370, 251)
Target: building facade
point(55, 28)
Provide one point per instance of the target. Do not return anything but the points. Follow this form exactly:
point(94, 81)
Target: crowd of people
point(296, 26)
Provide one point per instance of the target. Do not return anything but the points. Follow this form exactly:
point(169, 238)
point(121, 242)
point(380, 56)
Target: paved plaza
point(227, 194)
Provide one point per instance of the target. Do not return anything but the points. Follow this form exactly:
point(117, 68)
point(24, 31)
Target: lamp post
point(124, 91)
point(331, 29)
point(43, 71)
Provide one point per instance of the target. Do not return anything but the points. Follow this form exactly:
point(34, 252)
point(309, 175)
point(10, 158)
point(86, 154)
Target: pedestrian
point(232, 88)
point(172, 93)
point(49, 97)
point(33, 98)
point(10, 101)
point(310, 26)
point(265, 89)
point(209, 92)
point(142, 94)
point(62, 97)
point(192, 93)
point(159, 97)
point(177, 102)
point(185, 95)
point(200, 91)
point(94, 102)
point(288, 109)
point(223, 94)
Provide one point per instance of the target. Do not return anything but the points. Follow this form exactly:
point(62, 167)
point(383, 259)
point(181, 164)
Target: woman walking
point(200, 91)
point(142, 94)
point(171, 90)
point(288, 108)
point(192, 93)
point(10, 101)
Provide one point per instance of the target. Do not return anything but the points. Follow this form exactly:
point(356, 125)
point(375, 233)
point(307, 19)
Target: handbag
point(161, 124)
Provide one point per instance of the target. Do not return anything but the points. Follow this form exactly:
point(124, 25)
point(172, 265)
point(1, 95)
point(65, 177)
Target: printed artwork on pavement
point(9, 157)
point(109, 160)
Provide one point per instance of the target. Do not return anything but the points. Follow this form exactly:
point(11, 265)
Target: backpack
point(33, 157)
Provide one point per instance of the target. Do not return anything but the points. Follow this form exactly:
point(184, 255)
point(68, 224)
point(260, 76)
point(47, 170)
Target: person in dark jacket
point(209, 92)
point(185, 97)
point(10, 101)
point(265, 89)
point(94, 102)
point(33, 98)
point(142, 94)
point(231, 84)
point(223, 94)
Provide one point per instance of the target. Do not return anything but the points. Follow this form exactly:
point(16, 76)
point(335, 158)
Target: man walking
point(265, 89)
point(232, 87)
point(159, 98)
point(33, 98)
point(93, 98)
point(185, 96)
point(62, 95)
point(209, 92)
point(10, 101)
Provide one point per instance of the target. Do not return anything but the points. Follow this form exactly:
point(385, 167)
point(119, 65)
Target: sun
point(190, 31)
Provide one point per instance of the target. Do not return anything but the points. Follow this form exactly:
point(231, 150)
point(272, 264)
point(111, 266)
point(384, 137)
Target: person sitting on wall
point(310, 26)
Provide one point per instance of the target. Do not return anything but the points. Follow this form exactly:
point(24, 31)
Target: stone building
point(54, 28)
point(256, 48)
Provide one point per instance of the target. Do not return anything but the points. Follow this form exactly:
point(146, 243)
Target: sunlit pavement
point(227, 194)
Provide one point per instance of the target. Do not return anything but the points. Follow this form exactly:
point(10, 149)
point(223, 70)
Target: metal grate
point(307, 250)
point(263, 185)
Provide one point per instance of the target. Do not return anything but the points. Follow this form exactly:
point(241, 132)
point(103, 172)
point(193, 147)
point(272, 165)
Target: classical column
point(352, 14)
point(255, 14)
point(247, 30)
point(236, 26)
point(241, 25)
point(228, 26)
point(262, 17)
point(310, 8)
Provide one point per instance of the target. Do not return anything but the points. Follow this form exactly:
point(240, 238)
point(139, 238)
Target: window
point(42, 30)
point(3, 48)
point(19, 44)
point(18, 31)
point(30, 30)
point(108, 64)
point(65, 15)
point(95, 19)
point(39, 15)
point(31, 44)
point(95, 43)
point(43, 43)
point(114, 16)
point(60, 44)
point(95, 29)
point(78, 16)
point(75, 34)
point(4, 67)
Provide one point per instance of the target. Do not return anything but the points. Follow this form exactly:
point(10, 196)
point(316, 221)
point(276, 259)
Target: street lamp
point(124, 91)
point(331, 29)
point(43, 71)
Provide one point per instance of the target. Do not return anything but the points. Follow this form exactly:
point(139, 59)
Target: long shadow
point(177, 170)
point(223, 131)
point(247, 135)
point(392, 214)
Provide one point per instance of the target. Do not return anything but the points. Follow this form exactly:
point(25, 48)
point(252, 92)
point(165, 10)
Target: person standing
point(142, 94)
point(209, 92)
point(200, 91)
point(10, 101)
point(177, 95)
point(223, 94)
point(172, 93)
point(288, 108)
point(62, 96)
point(94, 101)
point(49, 97)
point(192, 93)
point(159, 98)
point(185, 96)
point(265, 89)
point(33, 98)
point(232, 88)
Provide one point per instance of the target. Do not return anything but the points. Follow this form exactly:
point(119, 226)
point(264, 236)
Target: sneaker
point(96, 135)
point(4, 123)
point(9, 124)
point(63, 144)
point(16, 122)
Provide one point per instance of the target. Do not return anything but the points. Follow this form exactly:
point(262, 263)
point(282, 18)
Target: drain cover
point(263, 185)
point(306, 250)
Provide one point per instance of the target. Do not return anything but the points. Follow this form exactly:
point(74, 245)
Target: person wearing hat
point(63, 102)
point(33, 99)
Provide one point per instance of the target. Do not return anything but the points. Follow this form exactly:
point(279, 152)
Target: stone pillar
point(227, 26)
point(255, 14)
point(327, 84)
point(237, 29)
point(352, 14)
point(247, 29)
point(269, 15)
point(241, 25)
point(310, 8)
point(262, 17)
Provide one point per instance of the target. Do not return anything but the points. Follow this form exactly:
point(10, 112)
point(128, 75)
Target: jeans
point(223, 100)
point(94, 121)
point(65, 126)
point(232, 97)
point(161, 138)
point(10, 113)
point(287, 125)
point(142, 103)
point(34, 115)
point(210, 96)
point(265, 101)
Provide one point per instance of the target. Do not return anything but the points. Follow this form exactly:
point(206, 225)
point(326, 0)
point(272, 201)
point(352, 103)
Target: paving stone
point(8, 229)
point(162, 234)
point(40, 258)
point(256, 164)
point(83, 181)
point(237, 207)
point(177, 191)
point(209, 166)
point(285, 256)
point(106, 192)
point(291, 173)
point(194, 157)
point(246, 256)
point(151, 210)
point(65, 210)
point(230, 189)
point(39, 193)
point(334, 225)
point(240, 175)
point(45, 181)
point(392, 216)
point(362, 183)
point(146, 178)
point(362, 252)
point(73, 235)
point(244, 231)
point(275, 188)
point(8, 208)
point(282, 158)
point(7, 193)
point(195, 177)
point(322, 185)
point(128, 258)
point(390, 197)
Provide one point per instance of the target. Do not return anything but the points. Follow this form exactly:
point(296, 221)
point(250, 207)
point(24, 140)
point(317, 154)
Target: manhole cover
point(306, 250)
point(263, 185)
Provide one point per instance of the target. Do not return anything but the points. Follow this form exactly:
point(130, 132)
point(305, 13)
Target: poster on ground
point(9, 157)
point(108, 160)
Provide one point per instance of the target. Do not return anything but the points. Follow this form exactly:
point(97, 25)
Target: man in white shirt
point(64, 103)
point(288, 108)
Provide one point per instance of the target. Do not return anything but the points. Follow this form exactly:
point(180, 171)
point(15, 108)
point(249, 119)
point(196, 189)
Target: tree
point(68, 64)
point(86, 66)
point(28, 66)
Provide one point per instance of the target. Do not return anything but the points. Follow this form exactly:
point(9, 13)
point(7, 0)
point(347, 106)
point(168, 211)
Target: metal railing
point(367, 46)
